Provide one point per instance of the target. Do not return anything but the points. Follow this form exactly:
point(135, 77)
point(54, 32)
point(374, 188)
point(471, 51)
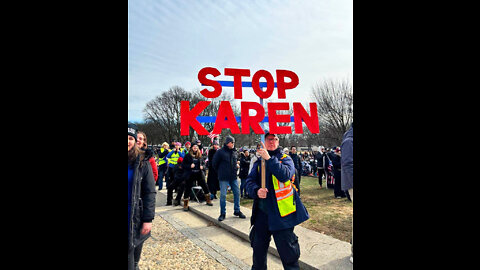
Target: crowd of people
point(324, 164)
point(218, 168)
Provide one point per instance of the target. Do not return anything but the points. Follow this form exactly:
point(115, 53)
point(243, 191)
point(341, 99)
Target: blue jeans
point(223, 196)
point(243, 192)
point(161, 174)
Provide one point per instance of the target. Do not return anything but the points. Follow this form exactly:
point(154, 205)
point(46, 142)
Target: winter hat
point(229, 139)
point(179, 144)
point(132, 130)
point(215, 142)
point(187, 143)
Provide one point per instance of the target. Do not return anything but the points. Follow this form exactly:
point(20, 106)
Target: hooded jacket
point(283, 171)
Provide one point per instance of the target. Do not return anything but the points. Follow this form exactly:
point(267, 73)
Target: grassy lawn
point(328, 215)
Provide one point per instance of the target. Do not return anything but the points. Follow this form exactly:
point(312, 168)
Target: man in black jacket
point(322, 164)
point(225, 164)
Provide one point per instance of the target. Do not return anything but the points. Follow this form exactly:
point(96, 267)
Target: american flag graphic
point(212, 136)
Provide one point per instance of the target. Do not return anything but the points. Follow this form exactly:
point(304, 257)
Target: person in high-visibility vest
point(162, 164)
point(172, 161)
point(277, 208)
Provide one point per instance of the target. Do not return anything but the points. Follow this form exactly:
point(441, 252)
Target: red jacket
point(154, 168)
point(151, 159)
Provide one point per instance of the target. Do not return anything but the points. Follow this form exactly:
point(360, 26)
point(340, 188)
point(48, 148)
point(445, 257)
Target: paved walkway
point(318, 251)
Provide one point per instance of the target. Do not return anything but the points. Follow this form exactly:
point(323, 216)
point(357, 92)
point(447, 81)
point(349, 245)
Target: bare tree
point(335, 109)
point(162, 115)
point(164, 111)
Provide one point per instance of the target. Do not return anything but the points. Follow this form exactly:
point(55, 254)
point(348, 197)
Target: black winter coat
point(244, 166)
point(337, 166)
point(322, 161)
point(225, 163)
point(212, 180)
point(187, 163)
point(297, 162)
point(143, 201)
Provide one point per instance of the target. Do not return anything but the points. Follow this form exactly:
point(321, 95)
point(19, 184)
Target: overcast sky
point(169, 41)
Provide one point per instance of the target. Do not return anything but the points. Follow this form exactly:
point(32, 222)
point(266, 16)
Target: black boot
point(176, 202)
point(239, 214)
point(169, 196)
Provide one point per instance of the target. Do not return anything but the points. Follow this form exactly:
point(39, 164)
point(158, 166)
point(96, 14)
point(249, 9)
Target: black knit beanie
point(229, 139)
point(132, 130)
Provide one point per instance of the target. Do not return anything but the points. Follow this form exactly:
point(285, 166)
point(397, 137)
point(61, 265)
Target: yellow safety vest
point(284, 194)
point(162, 161)
point(174, 158)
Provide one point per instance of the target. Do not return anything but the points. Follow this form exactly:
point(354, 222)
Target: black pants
point(169, 176)
point(180, 190)
point(298, 179)
point(285, 240)
point(199, 177)
point(338, 192)
point(321, 172)
point(134, 256)
point(178, 185)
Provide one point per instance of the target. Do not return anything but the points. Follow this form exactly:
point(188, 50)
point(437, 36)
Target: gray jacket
point(347, 159)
